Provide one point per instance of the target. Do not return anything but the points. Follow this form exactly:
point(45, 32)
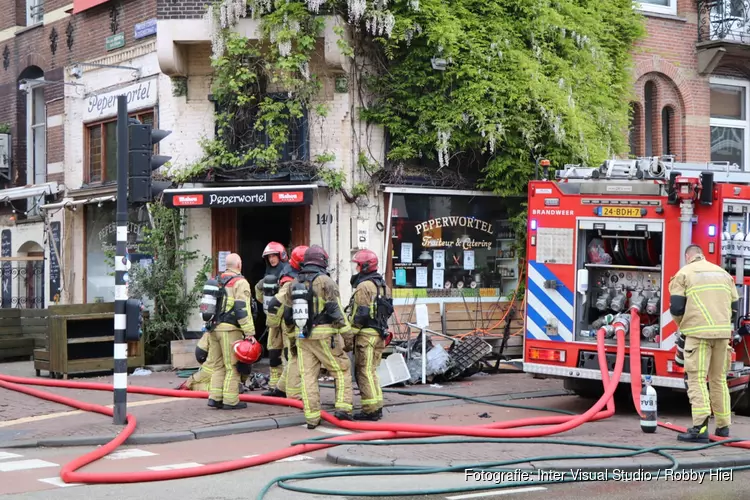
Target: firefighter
point(200, 380)
point(317, 312)
point(369, 312)
point(278, 315)
point(275, 256)
point(704, 303)
point(233, 323)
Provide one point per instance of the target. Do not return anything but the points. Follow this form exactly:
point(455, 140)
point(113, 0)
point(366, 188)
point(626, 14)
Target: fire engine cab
point(603, 239)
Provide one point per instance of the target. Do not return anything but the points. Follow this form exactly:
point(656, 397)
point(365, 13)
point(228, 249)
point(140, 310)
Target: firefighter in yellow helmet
point(369, 310)
point(704, 303)
point(278, 315)
point(233, 322)
point(317, 312)
point(275, 256)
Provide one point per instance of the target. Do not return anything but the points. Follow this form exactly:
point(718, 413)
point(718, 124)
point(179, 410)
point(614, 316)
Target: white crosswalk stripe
point(19, 465)
point(56, 481)
point(186, 465)
point(527, 489)
point(329, 430)
point(4, 455)
point(296, 458)
point(129, 453)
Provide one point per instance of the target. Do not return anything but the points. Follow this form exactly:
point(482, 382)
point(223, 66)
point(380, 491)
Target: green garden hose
point(492, 467)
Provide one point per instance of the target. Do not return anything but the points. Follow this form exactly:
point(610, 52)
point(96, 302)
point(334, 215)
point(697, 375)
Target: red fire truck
point(600, 239)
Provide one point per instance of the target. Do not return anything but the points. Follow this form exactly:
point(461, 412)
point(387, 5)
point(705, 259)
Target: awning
point(239, 196)
point(71, 202)
point(81, 5)
point(30, 191)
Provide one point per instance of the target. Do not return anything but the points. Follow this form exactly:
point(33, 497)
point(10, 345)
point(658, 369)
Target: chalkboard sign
point(54, 263)
point(7, 251)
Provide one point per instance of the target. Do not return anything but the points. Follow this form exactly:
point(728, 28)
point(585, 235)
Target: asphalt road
point(31, 474)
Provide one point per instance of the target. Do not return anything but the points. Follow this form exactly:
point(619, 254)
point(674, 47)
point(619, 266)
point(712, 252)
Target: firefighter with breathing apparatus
point(281, 317)
point(704, 304)
point(317, 312)
point(370, 308)
point(275, 257)
point(225, 308)
point(201, 380)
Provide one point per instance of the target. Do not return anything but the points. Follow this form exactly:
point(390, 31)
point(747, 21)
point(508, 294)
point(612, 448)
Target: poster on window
point(438, 258)
point(407, 253)
point(438, 277)
point(469, 260)
point(421, 277)
point(223, 261)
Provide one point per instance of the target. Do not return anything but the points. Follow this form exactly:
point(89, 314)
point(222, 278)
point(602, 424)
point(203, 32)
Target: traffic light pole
point(121, 266)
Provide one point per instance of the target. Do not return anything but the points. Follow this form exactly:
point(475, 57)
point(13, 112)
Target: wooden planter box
point(21, 330)
point(183, 353)
point(81, 339)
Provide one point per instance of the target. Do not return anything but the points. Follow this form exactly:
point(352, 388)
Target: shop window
point(729, 121)
point(444, 246)
point(101, 148)
point(101, 242)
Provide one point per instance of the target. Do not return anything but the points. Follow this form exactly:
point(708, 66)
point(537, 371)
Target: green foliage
point(522, 79)
point(4, 128)
point(164, 281)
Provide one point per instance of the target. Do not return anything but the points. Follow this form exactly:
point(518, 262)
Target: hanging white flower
point(314, 5)
point(357, 9)
point(304, 69)
point(285, 48)
point(414, 4)
point(443, 137)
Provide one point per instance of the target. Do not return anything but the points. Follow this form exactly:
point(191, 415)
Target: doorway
point(256, 227)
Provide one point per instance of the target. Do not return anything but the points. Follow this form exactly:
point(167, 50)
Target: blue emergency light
point(533, 224)
point(712, 230)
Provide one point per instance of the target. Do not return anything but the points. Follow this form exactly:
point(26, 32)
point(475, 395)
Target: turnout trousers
point(290, 380)
point(326, 350)
point(275, 359)
point(225, 380)
point(368, 350)
point(708, 358)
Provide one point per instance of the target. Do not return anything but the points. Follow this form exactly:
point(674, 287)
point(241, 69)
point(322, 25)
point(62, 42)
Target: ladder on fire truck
point(653, 168)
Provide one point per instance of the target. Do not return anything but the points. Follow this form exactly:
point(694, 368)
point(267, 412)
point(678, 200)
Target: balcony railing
point(724, 20)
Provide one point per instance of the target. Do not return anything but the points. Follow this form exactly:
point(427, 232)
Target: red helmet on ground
point(275, 248)
point(298, 257)
point(389, 338)
point(316, 256)
point(247, 350)
point(367, 260)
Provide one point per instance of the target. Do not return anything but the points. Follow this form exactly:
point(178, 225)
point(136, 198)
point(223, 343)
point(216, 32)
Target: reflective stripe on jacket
point(701, 299)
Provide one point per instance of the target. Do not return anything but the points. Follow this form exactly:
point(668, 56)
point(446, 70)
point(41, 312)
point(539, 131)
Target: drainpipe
point(686, 227)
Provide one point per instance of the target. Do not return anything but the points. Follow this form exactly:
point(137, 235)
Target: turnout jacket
point(236, 313)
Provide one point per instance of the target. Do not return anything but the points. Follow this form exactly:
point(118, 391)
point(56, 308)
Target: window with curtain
point(101, 157)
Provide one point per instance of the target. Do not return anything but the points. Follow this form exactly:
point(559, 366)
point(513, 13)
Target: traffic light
point(134, 314)
point(142, 162)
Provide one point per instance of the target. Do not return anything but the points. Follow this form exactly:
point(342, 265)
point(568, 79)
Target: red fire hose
point(379, 430)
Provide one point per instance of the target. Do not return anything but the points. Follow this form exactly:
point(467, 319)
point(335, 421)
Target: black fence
point(724, 20)
point(22, 284)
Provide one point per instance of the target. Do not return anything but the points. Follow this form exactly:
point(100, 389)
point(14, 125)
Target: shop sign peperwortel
point(466, 243)
point(140, 95)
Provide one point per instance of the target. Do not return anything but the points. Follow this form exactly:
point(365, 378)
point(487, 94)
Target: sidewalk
point(621, 429)
point(26, 421)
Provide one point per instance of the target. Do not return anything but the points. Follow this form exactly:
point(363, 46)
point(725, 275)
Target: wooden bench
point(21, 331)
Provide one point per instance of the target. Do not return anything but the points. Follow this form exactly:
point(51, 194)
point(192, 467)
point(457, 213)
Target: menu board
point(6, 251)
point(54, 262)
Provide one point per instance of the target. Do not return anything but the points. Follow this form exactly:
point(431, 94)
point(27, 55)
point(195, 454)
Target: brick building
point(47, 148)
point(691, 82)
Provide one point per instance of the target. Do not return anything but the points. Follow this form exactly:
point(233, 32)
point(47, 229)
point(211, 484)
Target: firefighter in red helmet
point(369, 309)
point(321, 322)
point(281, 317)
point(275, 256)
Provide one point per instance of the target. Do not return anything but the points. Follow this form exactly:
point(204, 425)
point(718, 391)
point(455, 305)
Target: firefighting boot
point(722, 432)
point(372, 417)
point(215, 404)
point(239, 406)
point(342, 415)
point(695, 434)
point(275, 393)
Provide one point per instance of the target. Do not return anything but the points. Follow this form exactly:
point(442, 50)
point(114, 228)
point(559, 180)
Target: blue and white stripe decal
point(545, 303)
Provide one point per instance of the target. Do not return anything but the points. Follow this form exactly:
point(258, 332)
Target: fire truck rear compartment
point(623, 260)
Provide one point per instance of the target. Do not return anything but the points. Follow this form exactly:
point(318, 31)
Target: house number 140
point(324, 219)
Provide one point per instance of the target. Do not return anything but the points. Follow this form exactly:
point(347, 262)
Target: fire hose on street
point(525, 430)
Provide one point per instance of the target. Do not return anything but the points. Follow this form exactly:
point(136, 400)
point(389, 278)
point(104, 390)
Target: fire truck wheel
point(741, 403)
point(589, 389)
